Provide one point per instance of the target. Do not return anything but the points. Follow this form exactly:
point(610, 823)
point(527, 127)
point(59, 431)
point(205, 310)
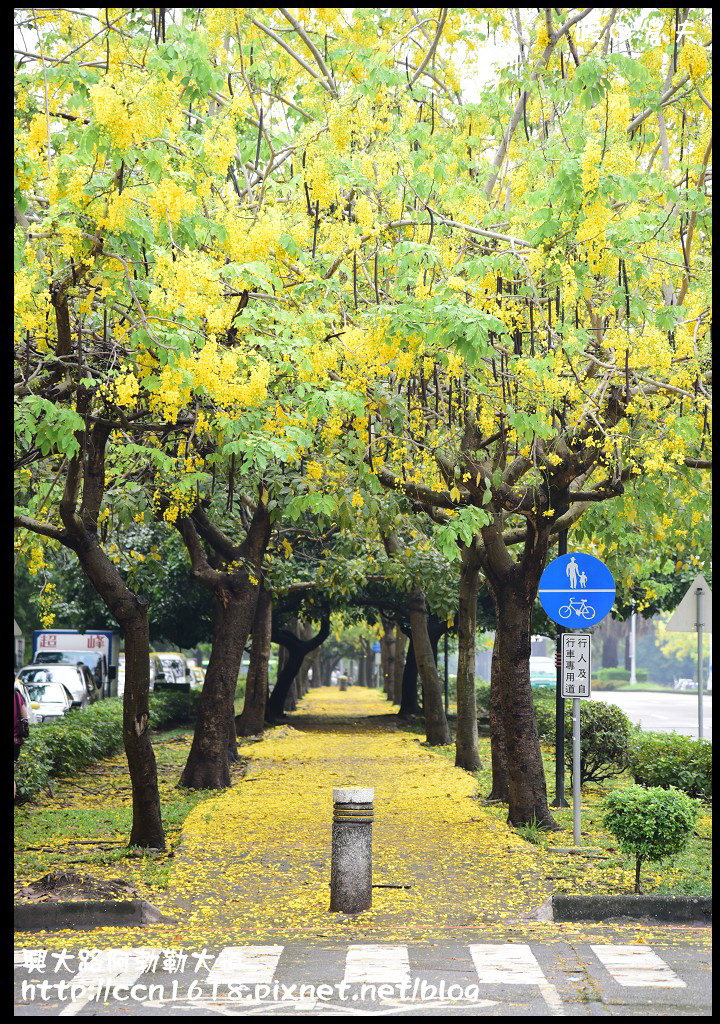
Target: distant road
point(671, 712)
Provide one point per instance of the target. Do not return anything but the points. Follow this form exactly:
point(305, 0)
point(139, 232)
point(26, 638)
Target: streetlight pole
point(633, 640)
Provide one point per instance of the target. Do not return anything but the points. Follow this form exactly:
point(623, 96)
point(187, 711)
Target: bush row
point(83, 737)
point(610, 744)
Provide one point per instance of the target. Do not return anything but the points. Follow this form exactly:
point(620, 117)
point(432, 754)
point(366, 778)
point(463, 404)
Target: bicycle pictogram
point(581, 608)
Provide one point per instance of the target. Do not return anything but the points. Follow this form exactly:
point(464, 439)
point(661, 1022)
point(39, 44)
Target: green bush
point(668, 759)
point(605, 733)
point(650, 824)
point(600, 683)
point(482, 696)
point(621, 675)
point(84, 736)
point(544, 704)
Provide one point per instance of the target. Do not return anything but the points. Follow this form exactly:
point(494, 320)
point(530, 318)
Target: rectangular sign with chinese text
point(576, 664)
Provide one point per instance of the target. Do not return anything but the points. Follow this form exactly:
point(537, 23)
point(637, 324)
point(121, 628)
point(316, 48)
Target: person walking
point(21, 728)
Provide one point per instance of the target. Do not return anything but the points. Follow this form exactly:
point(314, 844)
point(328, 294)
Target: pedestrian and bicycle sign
point(576, 670)
point(576, 590)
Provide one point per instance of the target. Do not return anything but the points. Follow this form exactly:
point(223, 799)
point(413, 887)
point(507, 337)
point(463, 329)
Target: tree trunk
point(296, 651)
point(526, 776)
point(399, 665)
point(610, 652)
point(466, 738)
point(131, 612)
point(235, 597)
point(387, 657)
point(252, 719)
point(292, 695)
point(437, 732)
point(207, 763)
point(147, 829)
point(409, 693)
point(500, 790)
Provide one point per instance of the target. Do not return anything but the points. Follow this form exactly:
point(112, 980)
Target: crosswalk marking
point(495, 964)
point(513, 964)
point(635, 966)
point(377, 965)
point(112, 967)
point(245, 965)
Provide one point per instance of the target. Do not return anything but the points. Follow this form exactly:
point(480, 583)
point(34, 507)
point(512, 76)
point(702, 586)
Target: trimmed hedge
point(668, 759)
point(84, 736)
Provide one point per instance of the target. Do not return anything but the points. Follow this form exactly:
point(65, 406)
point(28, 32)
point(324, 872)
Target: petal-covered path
point(256, 859)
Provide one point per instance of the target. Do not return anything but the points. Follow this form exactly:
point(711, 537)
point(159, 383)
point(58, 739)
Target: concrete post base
point(351, 865)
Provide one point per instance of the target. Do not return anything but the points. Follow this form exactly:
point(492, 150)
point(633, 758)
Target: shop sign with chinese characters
point(576, 664)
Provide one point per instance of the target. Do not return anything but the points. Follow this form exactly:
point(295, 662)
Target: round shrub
point(669, 759)
point(605, 733)
point(650, 824)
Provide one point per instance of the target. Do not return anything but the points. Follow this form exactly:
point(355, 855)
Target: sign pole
point(560, 800)
point(699, 597)
point(576, 771)
point(447, 699)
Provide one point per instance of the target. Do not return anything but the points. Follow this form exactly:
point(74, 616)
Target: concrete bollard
point(351, 866)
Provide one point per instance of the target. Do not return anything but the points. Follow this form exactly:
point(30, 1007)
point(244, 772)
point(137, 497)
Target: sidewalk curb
point(696, 909)
point(86, 914)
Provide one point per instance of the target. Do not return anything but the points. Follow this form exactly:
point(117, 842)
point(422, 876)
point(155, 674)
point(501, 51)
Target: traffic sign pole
point(576, 771)
point(576, 591)
point(576, 684)
point(447, 695)
point(560, 800)
point(699, 598)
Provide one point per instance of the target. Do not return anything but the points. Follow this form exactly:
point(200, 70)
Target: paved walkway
point(255, 861)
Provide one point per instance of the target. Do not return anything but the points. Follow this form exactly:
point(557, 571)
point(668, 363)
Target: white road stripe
point(635, 966)
point(377, 965)
point(511, 963)
point(112, 968)
point(245, 965)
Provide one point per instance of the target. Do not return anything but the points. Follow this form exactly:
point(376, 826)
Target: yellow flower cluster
point(171, 200)
point(133, 109)
point(692, 60)
point(126, 388)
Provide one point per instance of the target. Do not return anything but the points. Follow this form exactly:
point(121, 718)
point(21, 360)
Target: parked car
point(50, 700)
point(77, 679)
point(542, 671)
point(198, 675)
point(95, 661)
point(157, 674)
point(32, 716)
point(177, 671)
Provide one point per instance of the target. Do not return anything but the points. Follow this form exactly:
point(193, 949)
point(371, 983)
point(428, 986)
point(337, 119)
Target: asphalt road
point(662, 712)
point(509, 979)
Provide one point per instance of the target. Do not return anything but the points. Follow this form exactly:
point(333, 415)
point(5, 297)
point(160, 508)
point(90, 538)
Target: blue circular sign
point(576, 590)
